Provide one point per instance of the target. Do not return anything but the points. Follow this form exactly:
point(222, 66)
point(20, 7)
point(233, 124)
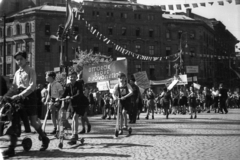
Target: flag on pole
point(69, 13)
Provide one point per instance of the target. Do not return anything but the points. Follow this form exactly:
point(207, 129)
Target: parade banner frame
point(104, 71)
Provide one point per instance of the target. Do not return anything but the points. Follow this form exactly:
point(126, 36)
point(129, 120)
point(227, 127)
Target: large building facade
point(144, 30)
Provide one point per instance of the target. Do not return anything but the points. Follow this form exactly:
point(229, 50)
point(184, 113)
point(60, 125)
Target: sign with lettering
point(142, 79)
point(192, 69)
point(104, 71)
point(9, 59)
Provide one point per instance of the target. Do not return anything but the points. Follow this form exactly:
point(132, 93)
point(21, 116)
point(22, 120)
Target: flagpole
point(4, 46)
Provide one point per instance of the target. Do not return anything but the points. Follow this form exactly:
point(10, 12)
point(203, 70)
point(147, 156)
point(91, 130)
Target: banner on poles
point(142, 79)
point(104, 71)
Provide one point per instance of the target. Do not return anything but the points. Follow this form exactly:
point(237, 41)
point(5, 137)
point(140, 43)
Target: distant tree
point(85, 58)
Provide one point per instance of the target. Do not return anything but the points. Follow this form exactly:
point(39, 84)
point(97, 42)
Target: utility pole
point(4, 46)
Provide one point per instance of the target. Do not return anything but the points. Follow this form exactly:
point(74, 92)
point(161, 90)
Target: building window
point(95, 48)
point(47, 46)
point(47, 29)
point(75, 30)
point(138, 68)
point(1, 32)
point(28, 47)
point(9, 69)
point(150, 32)
point(9, 31)
point(151, 50)
point(27, 28)
point(124, 15)
point(168, 51)
point(151, 69)
point(1, 51)
point(180, 34)
point(137, 16)
point(137, 48)
point(110, 31)
point(109, 14)
point(110, 49)
point(18, 29)
point(18, 47)
point(93, 13)
point(192, 51)
point(168, 34)
point(9, 49)
point(151, 17)
point(137, 32)
point(192, 35)
point(124, 31)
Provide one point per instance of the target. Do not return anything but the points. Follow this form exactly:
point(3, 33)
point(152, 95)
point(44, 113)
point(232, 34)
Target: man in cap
point(23, 87)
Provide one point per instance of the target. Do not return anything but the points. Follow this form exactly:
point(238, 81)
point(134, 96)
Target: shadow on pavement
point(62, 154)
point(107, 145)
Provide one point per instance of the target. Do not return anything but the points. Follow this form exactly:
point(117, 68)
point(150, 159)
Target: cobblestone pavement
point(209, 137)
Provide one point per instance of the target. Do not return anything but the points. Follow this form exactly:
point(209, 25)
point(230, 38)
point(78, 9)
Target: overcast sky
point(228, 14)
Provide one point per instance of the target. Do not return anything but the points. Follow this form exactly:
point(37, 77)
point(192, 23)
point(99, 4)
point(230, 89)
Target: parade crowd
point(84, 100)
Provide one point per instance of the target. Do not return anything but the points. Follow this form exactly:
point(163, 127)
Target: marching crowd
point(82, 100)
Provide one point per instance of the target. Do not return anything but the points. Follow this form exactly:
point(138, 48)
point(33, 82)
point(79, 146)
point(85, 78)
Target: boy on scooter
point(123, 91)
point(78, 102)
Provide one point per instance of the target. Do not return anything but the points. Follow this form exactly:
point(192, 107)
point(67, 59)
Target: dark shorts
point(183, 101)
point(192, 102)
point(126, 104)
point(175, 102)
point(30, 105)
point(80, 110)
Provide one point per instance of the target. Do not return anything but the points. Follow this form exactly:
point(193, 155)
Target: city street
point(209, 137)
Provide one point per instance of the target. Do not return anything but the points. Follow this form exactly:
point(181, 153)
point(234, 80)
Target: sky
point(228, 14)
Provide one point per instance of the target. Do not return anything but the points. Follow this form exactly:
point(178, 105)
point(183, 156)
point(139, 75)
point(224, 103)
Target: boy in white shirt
point(55, 90)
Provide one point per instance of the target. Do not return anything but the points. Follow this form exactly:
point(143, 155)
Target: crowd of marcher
point(84, 100)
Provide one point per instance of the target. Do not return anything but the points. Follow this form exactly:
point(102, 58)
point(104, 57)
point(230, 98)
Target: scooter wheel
point(27, 144)
point(116, 133)
point(130, 131)
point(82, 141)
point(60, 145)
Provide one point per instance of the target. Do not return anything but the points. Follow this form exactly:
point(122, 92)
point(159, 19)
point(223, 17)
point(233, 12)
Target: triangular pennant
point(195, 5)
point(211, 3)
point(203, 4)
point(179, 7)
point(170, 7)
point(237, 2)
point(108, 41)
point(229, 1)
point(163, 7)
point(186, 5)
point(220, 3)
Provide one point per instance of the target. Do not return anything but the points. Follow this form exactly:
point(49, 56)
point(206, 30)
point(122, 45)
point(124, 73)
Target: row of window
point(18, 29)
point(151, 49)
point(136, 16)
point(19, 46)
point(124, 31)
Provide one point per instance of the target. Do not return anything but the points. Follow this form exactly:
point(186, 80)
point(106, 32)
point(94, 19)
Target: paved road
point(209, 137)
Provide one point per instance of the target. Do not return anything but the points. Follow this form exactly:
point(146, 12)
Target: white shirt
point(56, 88)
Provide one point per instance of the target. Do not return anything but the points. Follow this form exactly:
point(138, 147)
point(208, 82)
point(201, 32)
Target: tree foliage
point(85, 58)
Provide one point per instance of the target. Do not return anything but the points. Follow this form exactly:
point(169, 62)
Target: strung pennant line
point(134, 55)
